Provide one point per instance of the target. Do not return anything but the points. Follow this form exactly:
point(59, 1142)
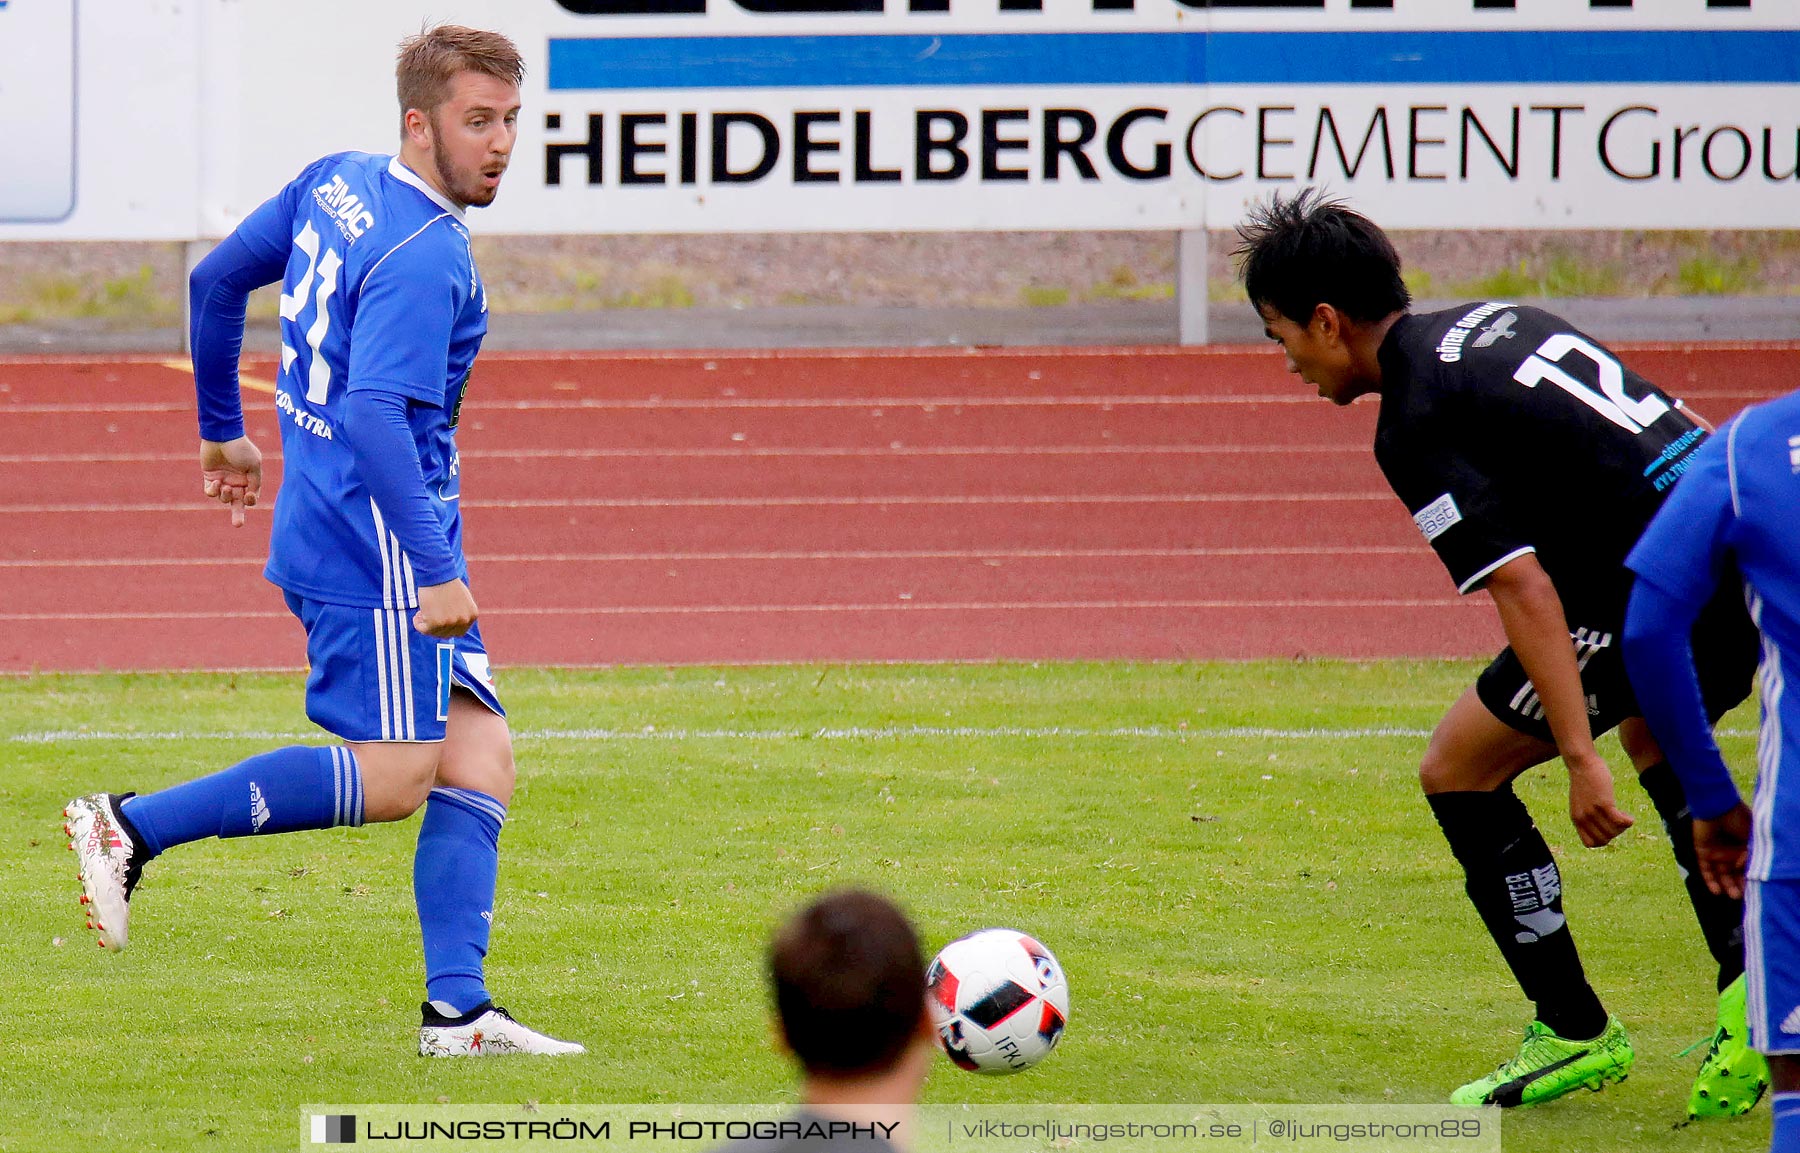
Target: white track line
point(1049, 353)
point(928, 404)
point(783, 555)
point(80, 408)
point(747, 451)
point(782, 502)
point(872, 607)
point(856, 733)
point(934, 501)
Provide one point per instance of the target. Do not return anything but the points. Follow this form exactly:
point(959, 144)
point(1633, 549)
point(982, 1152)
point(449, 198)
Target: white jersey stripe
point(387, 578)
point(391, 562)
point(1731, 472)
point(1768, 753)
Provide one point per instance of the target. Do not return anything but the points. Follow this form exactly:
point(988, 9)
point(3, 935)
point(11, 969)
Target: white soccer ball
point(999, 1000)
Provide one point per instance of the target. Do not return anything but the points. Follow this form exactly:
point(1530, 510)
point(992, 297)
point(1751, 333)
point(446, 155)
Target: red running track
point(674, 508)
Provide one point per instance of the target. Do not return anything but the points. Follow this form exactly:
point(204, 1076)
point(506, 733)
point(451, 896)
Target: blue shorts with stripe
point(1772, 964)
point(375, 678)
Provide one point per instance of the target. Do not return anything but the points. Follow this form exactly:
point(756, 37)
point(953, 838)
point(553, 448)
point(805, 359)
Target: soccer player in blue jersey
point(1735, 512)
point(382, 312)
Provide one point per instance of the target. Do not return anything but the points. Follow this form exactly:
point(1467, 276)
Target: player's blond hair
point(432, 59)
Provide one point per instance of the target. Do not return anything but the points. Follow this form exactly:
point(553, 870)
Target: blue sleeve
point(1679, 560)
point(254, 254)
point(1684, 550)
point(405, 310)
point(1659, 655)
point(387, 459)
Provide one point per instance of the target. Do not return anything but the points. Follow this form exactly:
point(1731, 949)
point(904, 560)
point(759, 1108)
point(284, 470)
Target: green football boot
point(1734, 1076)
point(1547, 1066)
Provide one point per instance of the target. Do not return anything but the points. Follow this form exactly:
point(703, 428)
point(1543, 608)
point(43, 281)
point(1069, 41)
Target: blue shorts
point(376, 678)
point(1772, 964)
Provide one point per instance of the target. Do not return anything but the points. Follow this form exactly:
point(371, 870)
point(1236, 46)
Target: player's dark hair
point(432, 59)
point(1302, 251)
point(849, 983)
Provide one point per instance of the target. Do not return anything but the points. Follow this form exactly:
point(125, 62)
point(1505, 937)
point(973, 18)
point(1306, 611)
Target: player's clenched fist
point(445, 610)
point(231, 473)
point(1592, 803)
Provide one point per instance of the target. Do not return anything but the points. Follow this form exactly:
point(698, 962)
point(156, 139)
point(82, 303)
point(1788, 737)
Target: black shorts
point(1726, 651)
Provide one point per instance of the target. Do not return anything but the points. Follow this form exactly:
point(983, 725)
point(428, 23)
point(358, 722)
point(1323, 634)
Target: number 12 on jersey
point(1609, 400)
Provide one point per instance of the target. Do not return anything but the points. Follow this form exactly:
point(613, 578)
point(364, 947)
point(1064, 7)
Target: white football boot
point(109, 868)
point(484, 1031)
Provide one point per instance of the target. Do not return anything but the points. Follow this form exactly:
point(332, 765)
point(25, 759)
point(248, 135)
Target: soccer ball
point(999, 1001)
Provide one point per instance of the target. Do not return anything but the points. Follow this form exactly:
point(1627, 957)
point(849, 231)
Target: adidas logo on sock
point(1791, 1023)
point(259, 809)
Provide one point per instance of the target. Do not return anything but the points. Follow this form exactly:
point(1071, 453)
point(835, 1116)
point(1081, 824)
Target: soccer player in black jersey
point(1531, 459)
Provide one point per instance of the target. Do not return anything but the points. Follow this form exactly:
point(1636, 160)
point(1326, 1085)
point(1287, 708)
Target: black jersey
point(1506, 431)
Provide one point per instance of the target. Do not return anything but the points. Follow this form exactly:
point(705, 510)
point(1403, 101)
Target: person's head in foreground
point(849, 984)
point(1326, 282)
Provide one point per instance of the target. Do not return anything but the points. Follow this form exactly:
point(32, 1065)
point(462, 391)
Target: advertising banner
point(648, 116)
point(97, 110)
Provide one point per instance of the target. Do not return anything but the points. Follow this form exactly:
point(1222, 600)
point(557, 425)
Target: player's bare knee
point(1450, 766)
point(1441, 770)
point(1438, 773)
point(478, 752)
point(489, 770)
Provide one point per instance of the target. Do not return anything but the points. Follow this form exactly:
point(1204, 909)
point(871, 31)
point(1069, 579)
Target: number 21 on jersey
point(1609, 399)
point(325, 267)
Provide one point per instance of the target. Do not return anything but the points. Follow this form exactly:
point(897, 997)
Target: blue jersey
point(379, 293)
point(1738, 505)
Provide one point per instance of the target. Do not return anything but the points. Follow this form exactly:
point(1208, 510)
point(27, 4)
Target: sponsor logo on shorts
point(1437, 516)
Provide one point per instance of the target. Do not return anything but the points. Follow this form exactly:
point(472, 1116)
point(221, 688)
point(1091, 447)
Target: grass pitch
point(1233, 863)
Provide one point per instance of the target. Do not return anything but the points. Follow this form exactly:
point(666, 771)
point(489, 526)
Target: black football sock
point(1721, 918)
point(1515, 886)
